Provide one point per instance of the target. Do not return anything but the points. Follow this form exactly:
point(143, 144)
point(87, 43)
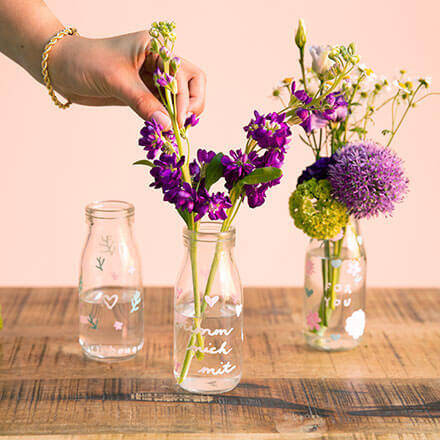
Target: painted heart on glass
point(309, 292)
point(238, 309)
point(110, 301)
point(335, 337)
point(211, 300)
point(336, 263)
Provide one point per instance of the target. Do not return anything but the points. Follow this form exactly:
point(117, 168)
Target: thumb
point(137, 96)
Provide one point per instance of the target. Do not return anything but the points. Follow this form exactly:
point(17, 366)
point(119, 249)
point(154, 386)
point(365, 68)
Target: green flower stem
point(410, 103)
point(335, 272)
point(303, 72)
point(198, 321)
point(330, 277)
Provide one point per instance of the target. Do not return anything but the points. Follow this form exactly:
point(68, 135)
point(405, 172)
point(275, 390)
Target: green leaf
point(214, 171)
point(261, 175)
point(146, 162)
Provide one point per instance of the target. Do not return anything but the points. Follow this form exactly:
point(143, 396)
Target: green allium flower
point(315, 211)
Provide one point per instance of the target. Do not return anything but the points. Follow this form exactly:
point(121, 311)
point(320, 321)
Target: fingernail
point(162, 119)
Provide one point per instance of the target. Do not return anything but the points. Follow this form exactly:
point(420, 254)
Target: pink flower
point(313, 321)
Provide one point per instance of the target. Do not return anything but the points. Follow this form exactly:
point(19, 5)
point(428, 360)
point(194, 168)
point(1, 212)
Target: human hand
point(119, 71)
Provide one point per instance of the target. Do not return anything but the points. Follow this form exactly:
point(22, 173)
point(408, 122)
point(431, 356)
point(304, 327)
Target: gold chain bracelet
point(44, 57)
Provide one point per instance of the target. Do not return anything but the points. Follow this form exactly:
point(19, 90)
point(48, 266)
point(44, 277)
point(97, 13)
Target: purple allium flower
point(368, 179)
point(236, 167)
point(270, 131)
point(318, 170)
point(167, 171)
point(191, 121)
point(214, 205)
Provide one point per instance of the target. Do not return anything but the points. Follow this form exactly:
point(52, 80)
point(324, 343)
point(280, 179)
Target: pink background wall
point(54, 162)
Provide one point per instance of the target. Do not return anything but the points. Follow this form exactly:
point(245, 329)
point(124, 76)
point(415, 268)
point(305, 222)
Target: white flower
point(355, 324)
point(321, 63)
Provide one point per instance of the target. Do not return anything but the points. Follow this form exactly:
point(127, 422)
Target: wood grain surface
point(388, 388)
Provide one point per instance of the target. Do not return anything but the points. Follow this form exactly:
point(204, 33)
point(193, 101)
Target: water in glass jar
point(220, 369)
point(110, 322)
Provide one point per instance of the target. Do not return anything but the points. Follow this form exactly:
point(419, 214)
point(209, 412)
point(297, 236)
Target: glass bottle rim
point(210, 232)
point(109, 209)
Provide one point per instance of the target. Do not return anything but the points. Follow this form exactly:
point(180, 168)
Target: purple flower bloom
point(303, 96)
point(162, 79)
point(191, 121)
point(236, 167)
point(203, 157)
point(271, 158)
point(368, 179)
point(318, 170)
point(167, 171)
point(313, 122)
point(339, 107)
point(293, 87)
point(151, 139)
point(270, 131)
point(183, 197)
point(256, 195)
point(154, 139)
point(214, 205)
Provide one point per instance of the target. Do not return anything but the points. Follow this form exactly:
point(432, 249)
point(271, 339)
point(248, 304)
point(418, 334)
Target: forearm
point(25, 28)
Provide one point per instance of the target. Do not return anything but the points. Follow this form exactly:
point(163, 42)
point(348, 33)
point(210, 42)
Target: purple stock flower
point(162, 79)
point(183, 197)
point(214, 205)
point(270, 131)
point(236, 167)
point(151, 139)
point(191, 121)
point(154, 139)
point(303, 96)
point(256, 194)
point(203, 158)
point(271, 158)
point(167, 171)
point(368, 179)
point(318, 170)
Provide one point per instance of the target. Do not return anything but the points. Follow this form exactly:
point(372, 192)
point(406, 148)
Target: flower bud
point(351, 49)
point(175, 64)
point(165, 53)
point(300, 37)
point(173, 86)
point(154, 46)
point(154, 33)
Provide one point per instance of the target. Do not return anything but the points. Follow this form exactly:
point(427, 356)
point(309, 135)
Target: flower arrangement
point(335, 102)
point(187, 184)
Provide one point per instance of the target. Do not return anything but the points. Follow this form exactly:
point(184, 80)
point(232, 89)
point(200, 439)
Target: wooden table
point(388, 388)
